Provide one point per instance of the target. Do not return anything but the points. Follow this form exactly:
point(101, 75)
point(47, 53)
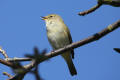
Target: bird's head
point(52, 17)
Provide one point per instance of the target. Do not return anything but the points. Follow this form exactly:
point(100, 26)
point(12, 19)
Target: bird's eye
point(51, 16)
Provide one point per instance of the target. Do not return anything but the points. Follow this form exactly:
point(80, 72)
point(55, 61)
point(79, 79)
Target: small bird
point(59, 36)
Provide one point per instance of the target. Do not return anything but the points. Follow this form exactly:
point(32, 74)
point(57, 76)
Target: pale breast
point(57, 38)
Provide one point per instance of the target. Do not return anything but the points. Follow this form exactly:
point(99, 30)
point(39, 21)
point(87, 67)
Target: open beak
point(43, 18)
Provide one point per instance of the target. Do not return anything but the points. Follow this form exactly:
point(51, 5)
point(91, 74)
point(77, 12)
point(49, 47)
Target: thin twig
point(7, 74)
point(90, 10)
point(3, 52)
point(115, 3)
point(18, 59)
point(117, 50)
point(7, 63)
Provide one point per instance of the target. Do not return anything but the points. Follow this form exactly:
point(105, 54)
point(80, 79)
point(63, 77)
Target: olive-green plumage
point(59, 36)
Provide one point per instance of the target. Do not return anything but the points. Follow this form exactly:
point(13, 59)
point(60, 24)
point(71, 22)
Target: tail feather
point(70, 64)
point(71, 68)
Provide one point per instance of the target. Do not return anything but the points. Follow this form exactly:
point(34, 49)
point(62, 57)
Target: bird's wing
point(67, 32)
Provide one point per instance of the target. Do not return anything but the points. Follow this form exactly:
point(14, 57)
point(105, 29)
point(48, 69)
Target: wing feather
point(67, 32)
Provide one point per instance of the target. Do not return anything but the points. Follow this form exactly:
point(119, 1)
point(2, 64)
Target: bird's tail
point(70, 64)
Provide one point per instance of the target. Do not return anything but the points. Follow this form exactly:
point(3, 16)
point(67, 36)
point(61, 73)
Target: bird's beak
point(43, 18)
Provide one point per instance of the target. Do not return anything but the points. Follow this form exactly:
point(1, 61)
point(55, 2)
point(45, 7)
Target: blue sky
point(21, 29)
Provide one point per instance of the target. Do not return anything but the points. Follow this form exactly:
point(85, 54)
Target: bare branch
point(3, 52)
point(9, 64)
point(115, 3)
point(7, 74)
point(117, 50)
point(90, 10)
point(18, 59)
point(18, 77)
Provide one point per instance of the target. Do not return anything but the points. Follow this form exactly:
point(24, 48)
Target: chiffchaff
point(59, 36)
